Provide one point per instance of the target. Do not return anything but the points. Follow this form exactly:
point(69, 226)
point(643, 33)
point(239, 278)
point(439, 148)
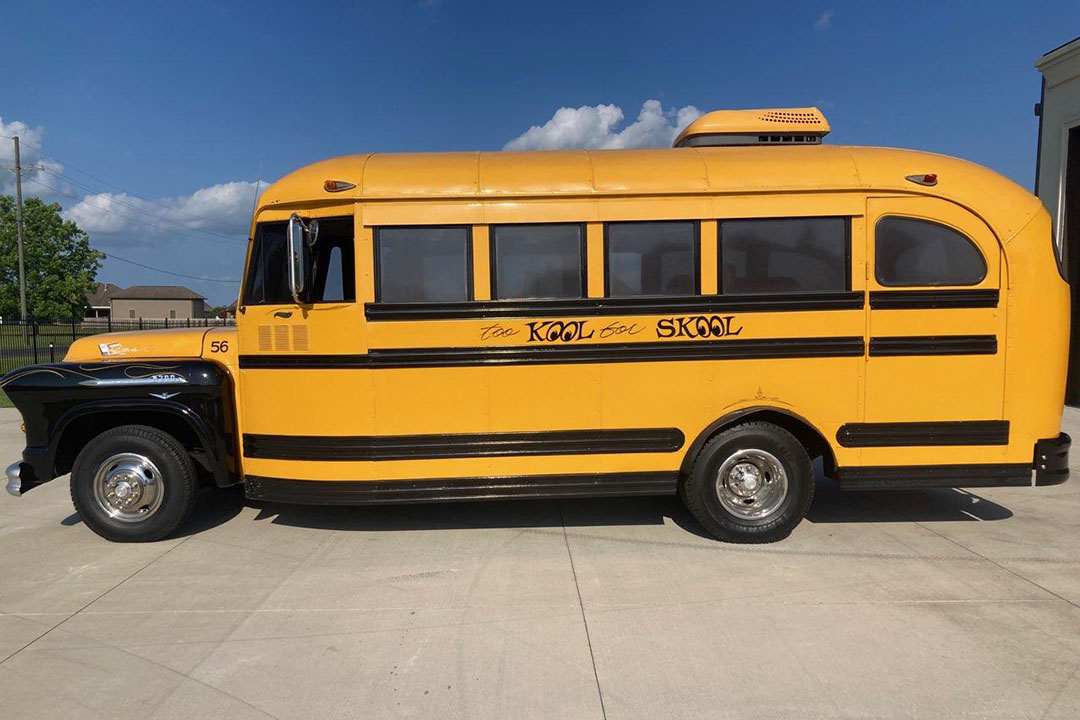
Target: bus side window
point(784, 255)
point(538, 261)
point(423, 264)
point(651, 258)
point(911, 251)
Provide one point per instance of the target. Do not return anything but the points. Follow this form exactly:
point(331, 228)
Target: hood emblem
point(164, 395)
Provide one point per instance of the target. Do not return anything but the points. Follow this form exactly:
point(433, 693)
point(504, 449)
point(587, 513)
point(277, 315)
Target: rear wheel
point(752, 483)
point(133, 483)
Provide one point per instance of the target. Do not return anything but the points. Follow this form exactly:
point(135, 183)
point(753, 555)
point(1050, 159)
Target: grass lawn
point(5, 401)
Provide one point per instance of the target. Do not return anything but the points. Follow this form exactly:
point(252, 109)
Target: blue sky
point(163, 114)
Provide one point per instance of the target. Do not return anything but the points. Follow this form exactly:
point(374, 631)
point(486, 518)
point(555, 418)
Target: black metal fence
point(37, 342)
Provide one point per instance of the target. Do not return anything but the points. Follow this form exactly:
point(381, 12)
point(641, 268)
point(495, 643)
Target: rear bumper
point(1051, 460)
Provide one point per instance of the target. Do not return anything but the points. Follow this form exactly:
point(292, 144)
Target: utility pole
point(19, 233)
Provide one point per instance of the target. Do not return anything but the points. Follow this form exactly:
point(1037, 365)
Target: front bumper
point(1052, 460)
point(14, 484)
point(22, 475)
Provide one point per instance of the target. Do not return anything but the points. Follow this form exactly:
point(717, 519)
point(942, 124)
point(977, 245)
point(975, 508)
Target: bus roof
point(682, 171)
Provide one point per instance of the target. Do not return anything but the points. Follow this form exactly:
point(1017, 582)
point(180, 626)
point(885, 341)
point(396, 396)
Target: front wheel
point(133, 483)
point(752, 483)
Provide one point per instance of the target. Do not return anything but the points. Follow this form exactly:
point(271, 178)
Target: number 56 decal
point(219, 346)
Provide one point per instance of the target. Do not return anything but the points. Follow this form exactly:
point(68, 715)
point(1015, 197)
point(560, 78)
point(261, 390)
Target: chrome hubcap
point(128, 487)
point(751, 484)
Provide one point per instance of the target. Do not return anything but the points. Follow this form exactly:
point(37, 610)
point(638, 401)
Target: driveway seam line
point(581, 606)
point(94, 600)
point(977, 554)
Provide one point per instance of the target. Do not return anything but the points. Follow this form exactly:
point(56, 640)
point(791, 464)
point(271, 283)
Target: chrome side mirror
point(297, 240)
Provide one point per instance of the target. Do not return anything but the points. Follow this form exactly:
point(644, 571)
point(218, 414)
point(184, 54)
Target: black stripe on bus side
point(910, 434)
point(932, 299)
point(933, 345)
point(595, 307)
point(908, 477)
point(374, 492)
point(427, 447)
point(568, 354)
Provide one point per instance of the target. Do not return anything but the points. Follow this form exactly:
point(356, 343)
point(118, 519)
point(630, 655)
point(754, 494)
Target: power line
point(167, 272)
point(126, 217)
point(59, 191)
point(69, 166)
point(160, 218)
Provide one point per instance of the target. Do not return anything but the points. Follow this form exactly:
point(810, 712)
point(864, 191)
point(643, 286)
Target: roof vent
point(782, 126)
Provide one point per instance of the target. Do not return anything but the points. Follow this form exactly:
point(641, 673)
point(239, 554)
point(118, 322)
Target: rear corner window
point(784, 255)
point(423, 264)
point(912, 251)
point(651, 258)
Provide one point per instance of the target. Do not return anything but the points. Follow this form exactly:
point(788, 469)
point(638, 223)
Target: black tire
point(702, 495)
point(177, 483)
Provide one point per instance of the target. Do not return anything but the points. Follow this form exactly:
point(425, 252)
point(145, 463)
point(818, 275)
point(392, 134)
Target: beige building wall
point(1060, 114)
point(157, 309)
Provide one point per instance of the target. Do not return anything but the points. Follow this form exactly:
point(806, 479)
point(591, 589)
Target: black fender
point(56, 399)
point(805, 431)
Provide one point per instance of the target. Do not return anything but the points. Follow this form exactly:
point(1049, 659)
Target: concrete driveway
point(934, 604)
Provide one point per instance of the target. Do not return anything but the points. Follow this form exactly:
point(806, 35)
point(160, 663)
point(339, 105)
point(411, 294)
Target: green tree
point(61, 267)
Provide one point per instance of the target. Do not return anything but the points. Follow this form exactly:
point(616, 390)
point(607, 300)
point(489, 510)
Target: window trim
point(326, 280)
point(720, 251)
point(493, 265)
point(255, 241)
point(928, 221)
point(695, 222)
point(377, 259)
point(255, 259)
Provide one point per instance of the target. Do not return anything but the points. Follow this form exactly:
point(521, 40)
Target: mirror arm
point(296, 285)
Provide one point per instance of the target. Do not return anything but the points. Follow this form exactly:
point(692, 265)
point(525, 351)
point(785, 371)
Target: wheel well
point(815, 443)
point(85, 428)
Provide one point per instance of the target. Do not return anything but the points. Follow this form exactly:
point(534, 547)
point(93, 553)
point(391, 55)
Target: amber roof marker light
point(927, 179)
point(337, 185)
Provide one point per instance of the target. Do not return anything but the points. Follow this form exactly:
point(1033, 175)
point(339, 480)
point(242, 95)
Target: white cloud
point(223, 209)
point(825, 21)
point(30, 139)
point(201, 234)
point(219, 210)
point(596, 126)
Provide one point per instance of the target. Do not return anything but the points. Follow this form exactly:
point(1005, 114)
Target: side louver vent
point(276, 338)
point(281, 337)
point(299, 338)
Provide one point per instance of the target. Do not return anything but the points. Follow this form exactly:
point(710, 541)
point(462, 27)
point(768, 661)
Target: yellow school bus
point(704, 320)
